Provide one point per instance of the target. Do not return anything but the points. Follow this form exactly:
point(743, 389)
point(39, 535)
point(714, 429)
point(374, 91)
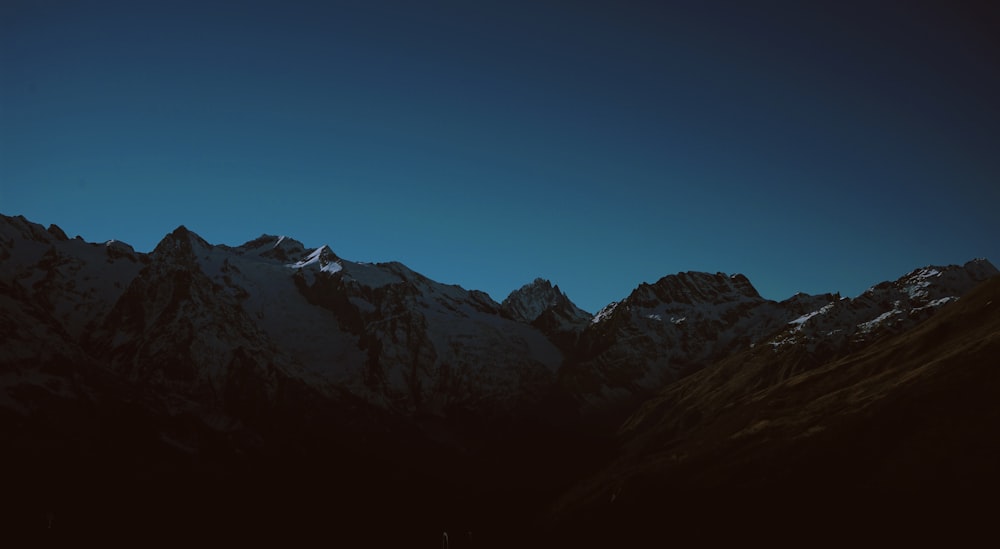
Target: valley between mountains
point(277, 389)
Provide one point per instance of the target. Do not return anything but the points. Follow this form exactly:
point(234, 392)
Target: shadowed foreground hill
point(900, 440)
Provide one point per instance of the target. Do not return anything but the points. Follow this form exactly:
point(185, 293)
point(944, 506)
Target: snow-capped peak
point(323, 257)
point(530, 301)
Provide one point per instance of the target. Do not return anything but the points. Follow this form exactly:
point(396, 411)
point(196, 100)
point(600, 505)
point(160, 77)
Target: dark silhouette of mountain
point(271, 387)
point(547, 308)
point(898, 440)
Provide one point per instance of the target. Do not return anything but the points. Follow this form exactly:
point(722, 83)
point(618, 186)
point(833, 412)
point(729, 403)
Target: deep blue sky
point(813, 146)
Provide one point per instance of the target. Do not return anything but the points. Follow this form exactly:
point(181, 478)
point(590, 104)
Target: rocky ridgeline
point(221, 327)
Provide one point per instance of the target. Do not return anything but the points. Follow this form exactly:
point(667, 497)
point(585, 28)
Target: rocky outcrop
point(197, 361)
point(884, 309)
point(212, 322)
point(900, 429)
point(532, 300)
point(430, 347)
point(685, 322)
point(547, 308)
point(205, 322)
point(669, 329)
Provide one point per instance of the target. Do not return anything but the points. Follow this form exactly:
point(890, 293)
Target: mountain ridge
point(228, 363)
point(401, 340)
point(872, 441)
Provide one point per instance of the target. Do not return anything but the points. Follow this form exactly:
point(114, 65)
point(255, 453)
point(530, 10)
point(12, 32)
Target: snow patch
point(802, 319)
point(604, 313)
point(310, 260)
point(779, 343)
point(875, 322)
point(920, 283)
point(316, 258)
point(935, 304)
point(798, 322)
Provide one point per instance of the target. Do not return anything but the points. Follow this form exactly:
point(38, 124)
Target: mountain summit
point(665, 331)
point(530, 301)
point(235, 375)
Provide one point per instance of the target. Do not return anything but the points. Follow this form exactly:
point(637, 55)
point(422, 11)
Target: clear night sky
point(813, 146)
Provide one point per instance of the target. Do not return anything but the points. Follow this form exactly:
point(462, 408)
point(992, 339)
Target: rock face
point(532, 300)
point(223, 325)
point(206, 361)
point(666, 330)
point(226, 324)
point(201, 381)
point(74, 282)
point(685, 322)
point(886, 308)
point(547, 308)
point(428, 347)
point(897, 431)
point(176, 330)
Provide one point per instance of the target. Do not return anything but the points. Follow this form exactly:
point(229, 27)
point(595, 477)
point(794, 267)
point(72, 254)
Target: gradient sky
point(813, 146)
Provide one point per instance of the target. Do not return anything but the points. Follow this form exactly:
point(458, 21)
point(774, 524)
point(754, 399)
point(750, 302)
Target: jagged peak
point(695, 286)
point(28, 229)
point(57, 232)
point(528, 302)
point(977, 269)
point(934, 281)
point(538, 285)
point(979, 264)
point(538, 288)
point(183, 233)
point(803, 297)
point(278, 247)
point(982, 265)
point(322, 258)
point(270, 241)
point(180, 238)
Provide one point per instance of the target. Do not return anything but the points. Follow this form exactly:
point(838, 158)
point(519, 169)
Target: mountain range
point(274, 386)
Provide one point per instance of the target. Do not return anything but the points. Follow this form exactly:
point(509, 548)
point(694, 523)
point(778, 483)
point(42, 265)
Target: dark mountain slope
point(274, 387)
point(901, 439)
point(547, 308)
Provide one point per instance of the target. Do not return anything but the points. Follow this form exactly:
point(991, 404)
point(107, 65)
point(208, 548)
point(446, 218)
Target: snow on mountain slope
point(261, 272)
point(547, 308)
point(388, 333)
point(685, 322)
point(665, 330)
point(905, 427)
point(431, 346)
point(226, 322)
point(177, 331)
point(530, 301)
point(75, 281)
point(418, 344)
point(888, 307)
point(321, 257)
point(215, 320)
